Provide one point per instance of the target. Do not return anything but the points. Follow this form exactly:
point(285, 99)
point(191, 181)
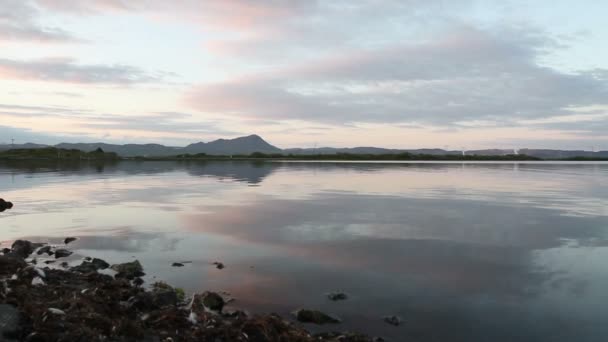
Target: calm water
point(462, 252)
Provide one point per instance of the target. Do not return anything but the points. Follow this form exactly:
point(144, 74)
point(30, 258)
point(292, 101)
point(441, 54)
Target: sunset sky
point(409, 73)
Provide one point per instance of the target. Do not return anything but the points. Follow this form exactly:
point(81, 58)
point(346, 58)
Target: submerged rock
point(69, 239)
point(315, 316)
point(62, 253)
point(177, 264)
point(218, 265)
point(129, 270)
point(335, 296)
point(393, 320)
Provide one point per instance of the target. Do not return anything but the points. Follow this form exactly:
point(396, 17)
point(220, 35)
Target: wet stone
point(45, 249)
point(22, 248)
point(393, 320)
point(177, 264)
point(69, 239)
point(129, 270)
point(335, 296)
point(9, 319)
point(62, 253)
point(100, 264)
point(315, 316)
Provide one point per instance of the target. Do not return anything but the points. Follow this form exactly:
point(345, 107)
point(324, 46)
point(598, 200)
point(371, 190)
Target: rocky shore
point(94, 301)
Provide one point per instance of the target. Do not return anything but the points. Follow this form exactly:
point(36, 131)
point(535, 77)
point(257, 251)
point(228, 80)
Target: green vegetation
point(345, 156)
point(52, 153)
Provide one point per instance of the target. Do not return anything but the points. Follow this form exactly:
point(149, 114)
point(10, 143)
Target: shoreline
point(95, 301)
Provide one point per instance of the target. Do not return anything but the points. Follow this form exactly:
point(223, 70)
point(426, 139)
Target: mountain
point(243, 145)
point(255, 143)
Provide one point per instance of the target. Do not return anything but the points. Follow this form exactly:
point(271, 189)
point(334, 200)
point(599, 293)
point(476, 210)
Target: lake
point(459, 251)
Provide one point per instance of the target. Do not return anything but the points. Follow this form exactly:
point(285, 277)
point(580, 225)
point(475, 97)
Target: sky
point(457, 74)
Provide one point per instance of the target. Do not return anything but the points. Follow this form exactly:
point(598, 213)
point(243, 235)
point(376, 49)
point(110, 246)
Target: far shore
point(52, 153)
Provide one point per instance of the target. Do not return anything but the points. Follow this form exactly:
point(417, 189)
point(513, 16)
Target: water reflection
point(496, 252)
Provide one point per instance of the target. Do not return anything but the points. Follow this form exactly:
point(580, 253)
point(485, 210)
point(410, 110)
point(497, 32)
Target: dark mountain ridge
point(254, 143)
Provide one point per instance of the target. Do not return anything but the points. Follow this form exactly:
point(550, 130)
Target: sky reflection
point(495, 252)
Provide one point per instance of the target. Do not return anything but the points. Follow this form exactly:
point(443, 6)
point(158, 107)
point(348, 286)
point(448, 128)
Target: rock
point(129, 270)
point(177, 264)
point(219, 265)
point(64, 264)
point(45, 249)
point(4, 205)
point(49, 261)
point(164, 297)
point(10, 264)
point(209, 300)
point(69, 239)
point(85, 267)
point(393, 320)
point(100, 264)
point(22, 248)
point(9, 321)
point(345, 337)
point(315, 316)
point(6, 250)
point(335, 296)
point(62, 253)
point(138, 282)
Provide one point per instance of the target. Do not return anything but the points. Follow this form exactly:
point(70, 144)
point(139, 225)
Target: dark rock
point(164, 297)
point(209, 300)
point(88, 258)
point(49, 261)
point(22, 248)
point(315, 316)
point(177, 264)
point(335, 296)
point(6, 250)
point(100, 264)
point(219, 265)
point(45, 249)
point(64, 264)
point(85, 267)
point(129, 270)
point(10, 264)
point(9, 322)
point(345, 337)
point(138, 282)
point(69, 239)
point(393, 320)
point(62, 253)
point(238, 314)
point(4, 205)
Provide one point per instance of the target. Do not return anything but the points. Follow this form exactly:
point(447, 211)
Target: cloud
point(466, 74)
point(18, 22)
point(67, 70)
point(89, 125)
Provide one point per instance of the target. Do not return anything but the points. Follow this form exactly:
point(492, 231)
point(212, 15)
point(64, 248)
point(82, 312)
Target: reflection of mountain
point(243, 171)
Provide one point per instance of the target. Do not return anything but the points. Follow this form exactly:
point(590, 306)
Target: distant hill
point(243, 145)
point(254, 143)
